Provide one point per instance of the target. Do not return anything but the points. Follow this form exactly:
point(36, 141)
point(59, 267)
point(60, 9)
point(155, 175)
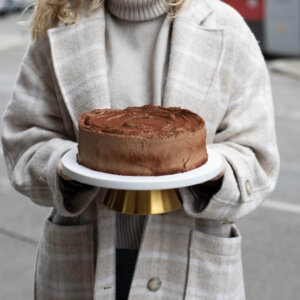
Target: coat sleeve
point(245, 138)
point(34, 135)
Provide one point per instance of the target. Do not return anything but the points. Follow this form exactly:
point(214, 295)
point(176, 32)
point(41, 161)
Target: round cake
point(142, 141)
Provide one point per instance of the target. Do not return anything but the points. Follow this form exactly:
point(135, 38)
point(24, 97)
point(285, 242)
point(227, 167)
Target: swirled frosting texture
point(142, 121)
point(147, 140)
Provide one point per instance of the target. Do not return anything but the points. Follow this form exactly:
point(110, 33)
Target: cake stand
point(142, 195)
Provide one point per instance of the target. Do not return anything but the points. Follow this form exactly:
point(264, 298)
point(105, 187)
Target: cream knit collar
point(136, 10)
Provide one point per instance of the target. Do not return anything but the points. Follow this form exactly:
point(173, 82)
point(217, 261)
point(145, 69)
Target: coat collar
point(79, 60)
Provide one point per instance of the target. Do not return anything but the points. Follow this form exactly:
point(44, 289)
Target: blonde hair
point(47, 13)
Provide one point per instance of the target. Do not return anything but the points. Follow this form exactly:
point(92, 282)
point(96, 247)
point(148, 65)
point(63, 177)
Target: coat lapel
point(79, 60)
point(78, 55)
point(195, 55)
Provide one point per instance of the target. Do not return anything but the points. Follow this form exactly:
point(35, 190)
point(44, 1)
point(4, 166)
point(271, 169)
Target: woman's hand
point(60, 173)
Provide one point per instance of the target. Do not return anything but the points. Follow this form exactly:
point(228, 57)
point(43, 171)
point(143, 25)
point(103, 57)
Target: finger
point(60, 172)
point(65, 177)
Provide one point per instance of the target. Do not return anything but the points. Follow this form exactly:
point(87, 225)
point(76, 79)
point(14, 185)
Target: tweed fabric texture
point(215, 69)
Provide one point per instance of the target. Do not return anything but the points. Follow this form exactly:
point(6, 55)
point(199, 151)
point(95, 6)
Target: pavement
point(289, 67)
point(271, 238)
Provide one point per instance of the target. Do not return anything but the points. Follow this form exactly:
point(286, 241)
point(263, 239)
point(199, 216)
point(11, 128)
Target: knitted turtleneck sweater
point(137, 45)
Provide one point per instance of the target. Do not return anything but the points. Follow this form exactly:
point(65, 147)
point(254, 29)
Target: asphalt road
point(271, 239)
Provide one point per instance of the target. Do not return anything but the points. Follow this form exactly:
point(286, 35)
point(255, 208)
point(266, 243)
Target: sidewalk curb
point(289, 67)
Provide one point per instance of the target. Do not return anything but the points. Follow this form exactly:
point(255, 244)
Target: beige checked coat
point(215, 69)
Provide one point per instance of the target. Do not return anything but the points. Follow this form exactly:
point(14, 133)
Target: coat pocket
point(65, 263)
point(215, 267)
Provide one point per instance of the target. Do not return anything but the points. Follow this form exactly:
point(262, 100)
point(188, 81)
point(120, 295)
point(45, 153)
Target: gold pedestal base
point(148, 202)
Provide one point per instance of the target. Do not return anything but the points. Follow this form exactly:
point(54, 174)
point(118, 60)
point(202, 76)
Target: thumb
point(60, 173)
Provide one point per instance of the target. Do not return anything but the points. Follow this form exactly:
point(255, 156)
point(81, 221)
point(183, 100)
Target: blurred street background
point(271, 235)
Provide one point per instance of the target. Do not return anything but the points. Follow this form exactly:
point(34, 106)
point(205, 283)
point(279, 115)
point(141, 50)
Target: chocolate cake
point(146, 140)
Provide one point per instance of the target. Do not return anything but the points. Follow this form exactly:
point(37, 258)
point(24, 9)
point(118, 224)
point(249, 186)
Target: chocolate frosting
point(141, 121)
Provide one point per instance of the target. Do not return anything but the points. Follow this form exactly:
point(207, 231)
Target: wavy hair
point(47, 13)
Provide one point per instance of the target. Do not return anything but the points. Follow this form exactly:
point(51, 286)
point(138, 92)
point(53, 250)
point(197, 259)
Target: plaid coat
point(215, 69)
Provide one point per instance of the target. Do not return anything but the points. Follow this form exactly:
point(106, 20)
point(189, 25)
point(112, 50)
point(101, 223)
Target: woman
point(196, 54)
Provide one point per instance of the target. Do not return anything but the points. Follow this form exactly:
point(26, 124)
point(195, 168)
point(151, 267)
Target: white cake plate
point(209, 170)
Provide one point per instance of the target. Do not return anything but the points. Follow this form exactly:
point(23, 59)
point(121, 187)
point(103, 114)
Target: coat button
point(154, 284)
point(248, 187)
